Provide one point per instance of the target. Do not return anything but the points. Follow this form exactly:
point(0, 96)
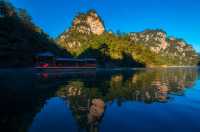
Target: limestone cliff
point(83, 25)
point(158, 42)
point(156, 39)
point(88, 23)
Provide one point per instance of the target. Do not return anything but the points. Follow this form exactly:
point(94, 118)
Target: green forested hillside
point(20, 38)
point(147, 48)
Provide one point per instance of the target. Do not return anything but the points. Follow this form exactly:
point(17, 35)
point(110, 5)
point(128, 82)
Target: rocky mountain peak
point(87, 23)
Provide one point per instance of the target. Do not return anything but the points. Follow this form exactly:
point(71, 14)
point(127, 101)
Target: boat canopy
point(45, 54)
point(72, 59)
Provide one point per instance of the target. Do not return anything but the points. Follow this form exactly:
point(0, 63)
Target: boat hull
point(54, 69)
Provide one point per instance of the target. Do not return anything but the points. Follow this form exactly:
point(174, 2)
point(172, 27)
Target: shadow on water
point(33, 101)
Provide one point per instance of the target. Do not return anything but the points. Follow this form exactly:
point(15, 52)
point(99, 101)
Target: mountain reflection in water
point(105, 100)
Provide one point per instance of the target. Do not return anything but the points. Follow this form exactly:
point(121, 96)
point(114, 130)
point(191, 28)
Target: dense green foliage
point(20, 38)
point(113, 48)
point(122, 50)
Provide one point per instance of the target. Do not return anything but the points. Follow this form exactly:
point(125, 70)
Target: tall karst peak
point(87, 23)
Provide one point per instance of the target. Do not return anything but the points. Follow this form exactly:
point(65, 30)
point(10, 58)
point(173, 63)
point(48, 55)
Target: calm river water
point(143, 100)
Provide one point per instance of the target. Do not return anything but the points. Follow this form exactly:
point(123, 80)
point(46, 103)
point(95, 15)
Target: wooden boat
point(48, 61)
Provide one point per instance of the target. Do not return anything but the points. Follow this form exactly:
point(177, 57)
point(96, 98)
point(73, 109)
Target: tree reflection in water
point(87, 97)
point(24, 94)
point(152, 85)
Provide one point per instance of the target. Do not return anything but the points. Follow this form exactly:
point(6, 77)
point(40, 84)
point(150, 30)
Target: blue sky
point(178, 18)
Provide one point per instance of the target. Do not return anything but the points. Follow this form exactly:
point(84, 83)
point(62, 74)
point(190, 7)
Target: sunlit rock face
point(156, 39)
point(88, 23)
point(158, 42)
